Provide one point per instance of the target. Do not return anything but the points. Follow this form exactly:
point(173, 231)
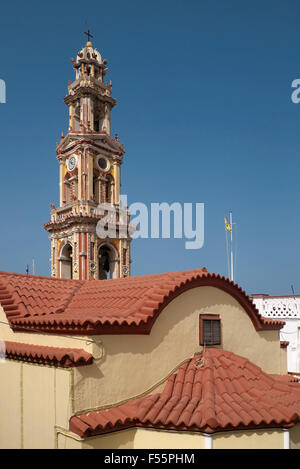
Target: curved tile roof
point(120, 306)
point(43, 355)
point(214, 391)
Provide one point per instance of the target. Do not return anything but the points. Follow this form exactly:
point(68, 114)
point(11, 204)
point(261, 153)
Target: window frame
point(209, 317)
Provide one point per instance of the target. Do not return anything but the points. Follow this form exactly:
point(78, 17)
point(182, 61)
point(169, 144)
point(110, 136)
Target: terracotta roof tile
point(55, 356)
point(231, 400)
point(121, 306)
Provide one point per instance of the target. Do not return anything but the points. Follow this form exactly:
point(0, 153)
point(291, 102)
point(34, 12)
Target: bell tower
point(89, 177)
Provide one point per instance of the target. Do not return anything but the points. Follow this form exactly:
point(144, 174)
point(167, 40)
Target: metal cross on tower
point(88, 35)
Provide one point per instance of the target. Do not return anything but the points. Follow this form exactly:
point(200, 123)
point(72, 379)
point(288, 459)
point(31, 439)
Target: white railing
point(281, 307)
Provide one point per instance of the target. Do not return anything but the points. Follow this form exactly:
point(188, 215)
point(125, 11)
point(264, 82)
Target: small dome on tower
point(88, 53)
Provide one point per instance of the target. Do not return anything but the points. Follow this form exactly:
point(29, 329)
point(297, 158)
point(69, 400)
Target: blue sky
point(205, 112)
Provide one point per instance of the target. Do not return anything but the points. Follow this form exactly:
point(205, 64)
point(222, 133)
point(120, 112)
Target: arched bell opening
point(77, 117)
point(67, 189)
point(98, 117)
point(108, 189)
point(107, 262)
point(70, 192)
point(66, 262)
point(96, 187)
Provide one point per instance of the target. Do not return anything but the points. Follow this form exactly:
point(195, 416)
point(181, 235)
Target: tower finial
point(89, 35)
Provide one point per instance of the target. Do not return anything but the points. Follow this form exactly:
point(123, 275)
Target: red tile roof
point(215, 391)
point(121, 306)
point(54, 356)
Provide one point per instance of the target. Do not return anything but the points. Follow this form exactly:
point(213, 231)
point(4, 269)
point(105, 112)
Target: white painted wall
point(285, 308)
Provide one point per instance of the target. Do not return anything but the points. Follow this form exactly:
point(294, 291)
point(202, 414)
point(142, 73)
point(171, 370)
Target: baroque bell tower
point(89, 178)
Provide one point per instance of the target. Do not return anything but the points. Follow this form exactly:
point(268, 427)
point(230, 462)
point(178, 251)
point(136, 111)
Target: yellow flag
point(227, 226)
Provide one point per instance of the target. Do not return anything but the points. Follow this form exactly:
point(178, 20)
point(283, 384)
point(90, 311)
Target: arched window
point(96, 188)
point(71, 187)
point(104, 263)
point(77, 117)
point(107, 262)
point(98, 117)
point(74, 189)
point(66, 262)
point(108, 192)
point(67, 189)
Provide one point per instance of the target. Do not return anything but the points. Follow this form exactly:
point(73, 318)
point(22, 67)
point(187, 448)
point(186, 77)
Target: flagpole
point(227, 251)
point(231, 250)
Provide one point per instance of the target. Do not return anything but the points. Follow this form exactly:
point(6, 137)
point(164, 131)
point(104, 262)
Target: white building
point(286, 308)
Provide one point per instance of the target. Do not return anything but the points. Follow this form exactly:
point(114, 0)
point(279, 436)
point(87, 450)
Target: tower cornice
point(87, 88)
point(92, 140)
point(79, 220)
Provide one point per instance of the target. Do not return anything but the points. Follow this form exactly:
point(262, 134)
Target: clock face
point(103, 163)
point(72, 161)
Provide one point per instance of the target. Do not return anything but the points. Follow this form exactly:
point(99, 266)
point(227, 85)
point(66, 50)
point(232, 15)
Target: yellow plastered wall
point(159, 439)
point(10, 405)
point(38, 406)
point(33, 399)
point(142, 438)
point(133, 364)
point(260, 439)
point(121, 440)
